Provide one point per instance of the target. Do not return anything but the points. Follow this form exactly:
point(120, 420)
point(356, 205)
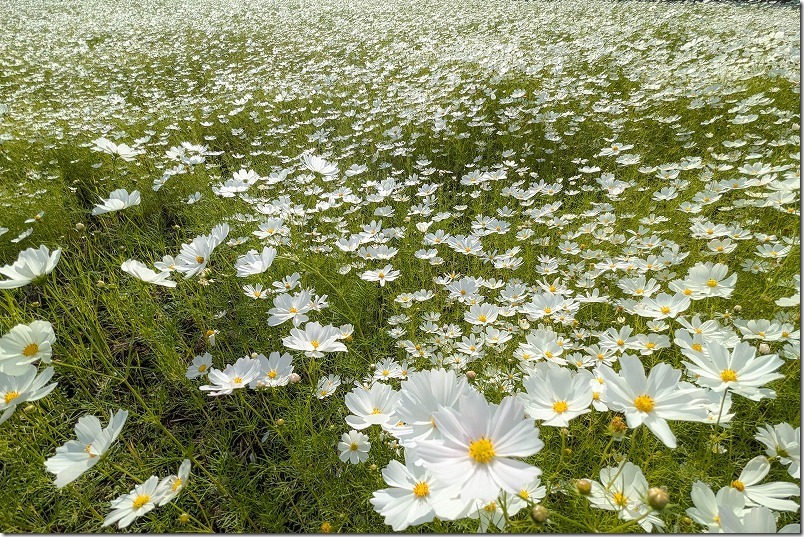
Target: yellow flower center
point(481, 450)
point(620, 342)
point(712, 283)
point(421, 490)
point(738, 485)
point(665, 309)
point(237, 380)
point(728, 375)
point(202, 368)
point(88, 450)
point(490, 508)
point(644, 403)
point(141, 500)
point(272, 374)
point(30, 350)
point(548, 310)
point(10, 396)
point(650, 345)
point(620, 499)
point(697, 347)
point(353, 446)
point(376, 410)
point(199, 259)
point(560, 407)
point(315, 344)
point(524, 494)
point(293, 310)
point(176, 484)
point(548, 354)
point(687, 292)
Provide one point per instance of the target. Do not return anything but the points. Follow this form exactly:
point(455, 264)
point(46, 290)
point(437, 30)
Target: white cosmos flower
point(740, 370)
point(415, 496)
point(117, 201)
point(30, 265)
point(772, 495)
point(23, 387)
point(25, 344)
point(420, 397)
point(756, 521)
point(255, 263)
point(784, 442)
point(127, 507)
point(556, 396)
point(478, 443)
point(274, 370)
point(383, 275)
point(290, 307)
point(142, 272)
point(77, 456)
point(315, 340)
point(370, 407)
point(193, 257)
point(318, 165)
point(233, 376)
point(354, 447)
point(172, 485)
point(124, 151)
point(653, 399)
point(708, 505)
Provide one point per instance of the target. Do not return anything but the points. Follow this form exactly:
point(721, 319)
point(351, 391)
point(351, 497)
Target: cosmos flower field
point(356, 266)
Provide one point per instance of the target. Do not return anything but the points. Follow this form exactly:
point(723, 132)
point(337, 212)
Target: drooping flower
point(30, 265)
point(142, 272)
point(77, 456)
point(117, 201)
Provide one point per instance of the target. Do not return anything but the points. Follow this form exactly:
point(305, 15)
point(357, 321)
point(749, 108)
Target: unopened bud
point(29, 409)
point(101, 284)
point(80, 227)
point(254, 355)
point(295, 378)
point(539, 514)
point(280, 422)
point(524, 324)
point(184, 518)
point(658, 498)
point(471, 375)
point(584, 487)
point(737, 308)
point(326, 527)
point(764, 348)
point(372, 467)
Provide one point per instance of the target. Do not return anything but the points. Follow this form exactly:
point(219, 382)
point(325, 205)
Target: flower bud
point(280, 422)
point(101, 284)
point(80, 227)
point(29, 409)
point(471, 375)
point(184, 518)
point(737, 308)
point(524, 324)
point(539, 514)
point(295, 378)
point(326, 527)
point(658, 498)
point(584, 487)
point(764, 348)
